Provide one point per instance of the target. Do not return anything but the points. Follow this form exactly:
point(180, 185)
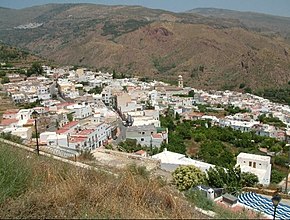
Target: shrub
point(249, 179)
point(186, 177)
point(139, 170)
point(276, 176)
point(11, 137)
point(87, 155)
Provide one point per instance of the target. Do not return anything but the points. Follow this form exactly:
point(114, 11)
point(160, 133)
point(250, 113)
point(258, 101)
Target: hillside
point(39, 187)
point(210, 52)
point(266, 24)
point(14, 57)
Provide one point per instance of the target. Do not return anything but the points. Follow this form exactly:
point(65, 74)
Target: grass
point(39, 187)
point(14, 174)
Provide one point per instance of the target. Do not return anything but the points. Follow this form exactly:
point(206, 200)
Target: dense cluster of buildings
point(82, 109)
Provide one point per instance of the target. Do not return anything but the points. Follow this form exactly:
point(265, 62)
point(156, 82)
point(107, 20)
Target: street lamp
point(35, 115)
point(275, 200)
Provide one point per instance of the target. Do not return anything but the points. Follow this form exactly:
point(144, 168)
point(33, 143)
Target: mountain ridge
point(210, 52)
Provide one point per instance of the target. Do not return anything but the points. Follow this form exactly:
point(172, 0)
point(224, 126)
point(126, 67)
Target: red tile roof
point(70, 125)
point(157, 135)
point(61, 131)
point(64, 104)
point(66, 127)
point(6, 122)
point(77, 139)
point(86, 132)
point(11, 111)
point(140, 152)
point(29, 122)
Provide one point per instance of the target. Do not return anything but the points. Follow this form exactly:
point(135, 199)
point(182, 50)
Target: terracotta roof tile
point(6, 122)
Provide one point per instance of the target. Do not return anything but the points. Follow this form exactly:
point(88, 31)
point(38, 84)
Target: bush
point(139, 170)
point(186, 177)
point(249, 179)
point(276, 176)
point(281, 161)
point(87, 155)
point(11, 137)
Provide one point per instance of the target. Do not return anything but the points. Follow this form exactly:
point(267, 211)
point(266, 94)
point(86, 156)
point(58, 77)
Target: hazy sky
point(276, 7)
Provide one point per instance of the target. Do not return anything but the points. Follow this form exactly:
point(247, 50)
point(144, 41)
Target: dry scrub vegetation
point(38, 187)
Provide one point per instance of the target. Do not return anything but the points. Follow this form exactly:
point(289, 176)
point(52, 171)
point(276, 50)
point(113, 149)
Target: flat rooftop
point(254, 157)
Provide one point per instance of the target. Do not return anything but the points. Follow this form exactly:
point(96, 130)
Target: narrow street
point(121, 134)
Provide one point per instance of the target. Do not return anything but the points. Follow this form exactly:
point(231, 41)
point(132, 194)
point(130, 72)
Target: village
point(67, 111)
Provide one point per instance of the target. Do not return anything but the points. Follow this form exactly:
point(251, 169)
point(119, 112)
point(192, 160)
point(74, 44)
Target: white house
point(147, 135)
point(243, 126)
point(58, 140)
point(23, 132)
point(80, 110)
point(18, 97)
point(43, 93)
point(256, 164)
point(171, 160)
point(103, 132)
point(24, 115)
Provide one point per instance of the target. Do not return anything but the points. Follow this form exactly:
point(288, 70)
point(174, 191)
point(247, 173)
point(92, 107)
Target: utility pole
point(35, 115)
point(286, 185)
point(151, 147)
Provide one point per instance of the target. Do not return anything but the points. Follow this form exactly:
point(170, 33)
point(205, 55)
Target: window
point(143, 132)
point(250, 163)
point(142, 139)
point(254, 164)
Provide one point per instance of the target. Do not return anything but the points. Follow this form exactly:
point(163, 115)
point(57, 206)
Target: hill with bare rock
point(210, 52)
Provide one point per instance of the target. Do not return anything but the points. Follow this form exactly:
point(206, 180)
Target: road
point(121, 132)
point(54, 90)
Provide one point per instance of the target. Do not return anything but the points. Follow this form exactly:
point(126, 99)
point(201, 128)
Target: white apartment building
point(80, 110)
point(18, 97)
point(146, 135)
point(256, 164)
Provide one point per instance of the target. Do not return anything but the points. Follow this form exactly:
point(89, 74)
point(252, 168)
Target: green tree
point(242, 85)
point(229, 178)
point(186, 177)
point(70, 117)
point(249, 179)
point(276, 148)
point(216, 152)
point(96, 90)
point(248, 90)
point(5, 79)
point(191, 93)
point(114, 74)
point(276, 176)
point(36, 68)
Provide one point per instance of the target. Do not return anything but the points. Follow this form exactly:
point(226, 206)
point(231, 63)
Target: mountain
point(210, 52)
point(267, 24)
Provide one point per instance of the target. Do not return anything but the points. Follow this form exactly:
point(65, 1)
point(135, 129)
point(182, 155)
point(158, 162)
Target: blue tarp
point(264, 205)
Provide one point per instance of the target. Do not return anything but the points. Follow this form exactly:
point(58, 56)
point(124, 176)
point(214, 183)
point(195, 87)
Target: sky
point(274, 7)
